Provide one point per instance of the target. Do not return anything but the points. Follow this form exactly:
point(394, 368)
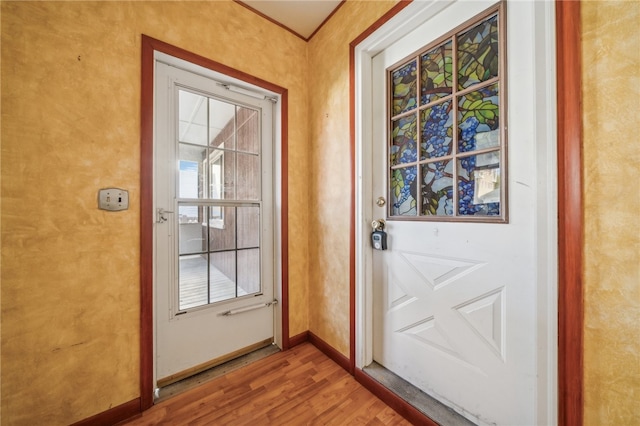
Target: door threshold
point(424, 403)
point(196, 380)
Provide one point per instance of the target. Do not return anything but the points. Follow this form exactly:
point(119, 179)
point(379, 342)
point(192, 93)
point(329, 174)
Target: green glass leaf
point(402, 89)
point(448, 67)
point(467, 115)
point(474, 96)
point(489, 115)
point(475, 104)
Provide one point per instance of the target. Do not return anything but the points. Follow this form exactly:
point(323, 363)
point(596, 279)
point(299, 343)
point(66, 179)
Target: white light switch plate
point(113, 199)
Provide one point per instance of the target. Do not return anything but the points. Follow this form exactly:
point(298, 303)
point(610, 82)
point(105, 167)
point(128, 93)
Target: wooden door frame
point(570, 217)
point(149, 46)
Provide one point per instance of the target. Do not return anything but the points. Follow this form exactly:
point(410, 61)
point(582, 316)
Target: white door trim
point(277, 185)
point(546, 222)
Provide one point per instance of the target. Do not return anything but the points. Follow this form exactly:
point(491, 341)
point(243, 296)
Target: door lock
point(381, 201)
point(378, 236)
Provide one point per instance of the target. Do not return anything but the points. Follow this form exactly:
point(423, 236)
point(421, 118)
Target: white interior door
point(213, 183)
point(457, 306)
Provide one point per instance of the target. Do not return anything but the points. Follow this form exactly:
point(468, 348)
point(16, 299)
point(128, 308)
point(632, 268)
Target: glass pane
point(191, 176)
point(478, 53)
point(222, 228)
point(222, 276)
point(220, 166)
point(404, 148)
point(248, 177)
point(478, 115)
point(248, 227)
point(403, 88)
point(192, 286)
point(403, 191)
point(222, 126)
point(479, 185)
point(217, 162)
point(192, 234)
point(248, 130)
point(436, 69)
point(437, 188)
point(192, 118)
point(248, 271)
point(437, 131)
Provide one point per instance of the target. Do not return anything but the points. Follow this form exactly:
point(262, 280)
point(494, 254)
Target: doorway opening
point(244, 226)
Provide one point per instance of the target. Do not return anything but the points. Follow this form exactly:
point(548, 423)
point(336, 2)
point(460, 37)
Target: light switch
point(113, 199)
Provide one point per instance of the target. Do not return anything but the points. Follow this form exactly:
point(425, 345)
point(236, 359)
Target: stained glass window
point(447, 142)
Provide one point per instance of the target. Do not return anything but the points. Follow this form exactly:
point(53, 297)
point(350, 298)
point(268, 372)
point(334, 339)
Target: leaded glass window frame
point(443, 160)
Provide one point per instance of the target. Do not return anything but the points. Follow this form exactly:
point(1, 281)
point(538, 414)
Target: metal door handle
point(160, 218)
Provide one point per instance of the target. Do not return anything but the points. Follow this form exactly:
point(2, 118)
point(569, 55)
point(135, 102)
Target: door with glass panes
point(458, 296)
point(214, 275)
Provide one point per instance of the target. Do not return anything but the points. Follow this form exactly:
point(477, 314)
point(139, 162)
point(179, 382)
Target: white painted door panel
point(456, 304)
point(189, 334)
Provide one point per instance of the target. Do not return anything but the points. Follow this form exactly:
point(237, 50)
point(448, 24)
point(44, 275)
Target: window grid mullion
point(454, 100)
point(418, 136)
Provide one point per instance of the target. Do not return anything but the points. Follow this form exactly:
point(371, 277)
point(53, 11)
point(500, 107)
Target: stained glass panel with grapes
point(478, 118)
point(478, 51)
point(404, 147)
point(403, 191)
point(436, 73)
point(479, 185)
point(437, 188)
point(446, 146)
point(437, 131)
point(404, 88)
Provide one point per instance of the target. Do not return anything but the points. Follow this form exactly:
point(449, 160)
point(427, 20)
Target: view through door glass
point(218, 209)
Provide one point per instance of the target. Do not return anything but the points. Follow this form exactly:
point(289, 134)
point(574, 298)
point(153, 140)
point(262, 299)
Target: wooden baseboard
point(113, 415)
point(298, 339)
point(331, 352)
point(401, 406)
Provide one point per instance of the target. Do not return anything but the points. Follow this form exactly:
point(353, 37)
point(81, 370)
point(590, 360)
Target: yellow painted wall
point(330, 192)
point(70, 334)
point(611, 82)
point(70, 125)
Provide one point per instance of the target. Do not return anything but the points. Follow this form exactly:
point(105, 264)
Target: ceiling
point(302, 17)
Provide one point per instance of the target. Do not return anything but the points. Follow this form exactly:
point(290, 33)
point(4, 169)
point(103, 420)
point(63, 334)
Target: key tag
point(378, 236)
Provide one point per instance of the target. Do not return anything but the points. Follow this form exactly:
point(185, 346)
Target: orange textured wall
point(611, 93)
point(70, 100)
point(330, 194)
point(70, 125)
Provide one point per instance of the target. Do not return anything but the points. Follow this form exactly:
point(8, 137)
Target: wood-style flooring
point(301, 386)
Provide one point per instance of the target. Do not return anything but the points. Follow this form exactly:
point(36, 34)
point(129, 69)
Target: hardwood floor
point(298, 387)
